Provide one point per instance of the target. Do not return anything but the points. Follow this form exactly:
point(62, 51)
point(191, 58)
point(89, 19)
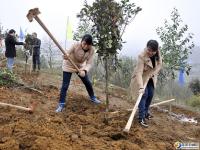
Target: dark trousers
point(146, 100)
point(66, 82)
point(36, 61)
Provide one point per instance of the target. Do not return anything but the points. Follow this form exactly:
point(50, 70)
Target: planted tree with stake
point(176, 46)
point(109, 20)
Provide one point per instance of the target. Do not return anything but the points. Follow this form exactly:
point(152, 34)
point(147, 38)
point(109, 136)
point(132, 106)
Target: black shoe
point(143, 123)
point(148, 116)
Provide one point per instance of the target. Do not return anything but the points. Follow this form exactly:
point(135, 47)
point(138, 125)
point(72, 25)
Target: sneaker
point(149, 116)
point(143, 123)
point(95, 100)
point(60, 107)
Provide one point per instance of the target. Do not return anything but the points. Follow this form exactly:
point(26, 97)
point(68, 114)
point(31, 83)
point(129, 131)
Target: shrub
point(7, 78)
point(195, 86)
point(194, 101)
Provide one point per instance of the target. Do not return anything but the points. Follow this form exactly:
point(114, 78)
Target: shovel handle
point(55, 41)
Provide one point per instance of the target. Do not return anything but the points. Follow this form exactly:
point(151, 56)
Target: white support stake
point(163, 102)
point(15, 106)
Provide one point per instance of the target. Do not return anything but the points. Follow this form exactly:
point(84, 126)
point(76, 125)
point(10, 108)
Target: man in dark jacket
point(10, 52)
point(36, 51)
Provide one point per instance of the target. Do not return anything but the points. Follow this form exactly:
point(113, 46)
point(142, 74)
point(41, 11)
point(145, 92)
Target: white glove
point(81, 73)
point(141, 90)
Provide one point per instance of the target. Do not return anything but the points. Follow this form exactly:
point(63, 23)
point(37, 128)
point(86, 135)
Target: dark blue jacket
point(10, 43)
point(36, 46)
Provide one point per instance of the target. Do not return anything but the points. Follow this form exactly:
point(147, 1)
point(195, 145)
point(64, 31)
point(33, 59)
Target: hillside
point(81, 125)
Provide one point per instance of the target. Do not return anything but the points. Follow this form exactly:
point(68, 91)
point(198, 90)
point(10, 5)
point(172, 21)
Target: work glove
point(82, 73)
point(141, 90)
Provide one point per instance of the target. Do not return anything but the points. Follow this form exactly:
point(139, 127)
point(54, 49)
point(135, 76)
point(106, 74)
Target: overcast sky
point(54, 15)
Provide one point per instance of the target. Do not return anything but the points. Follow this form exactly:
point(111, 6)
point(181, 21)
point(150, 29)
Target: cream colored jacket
point(82, 59)
point(143, 72)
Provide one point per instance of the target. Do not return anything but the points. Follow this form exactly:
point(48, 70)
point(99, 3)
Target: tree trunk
point(26, 59)
point(106, 90)
point(106, 68)
point(50, 62)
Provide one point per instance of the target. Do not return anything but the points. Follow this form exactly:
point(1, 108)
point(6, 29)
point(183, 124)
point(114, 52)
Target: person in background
point(36, 51)
point(82, 54)
point(10, 53)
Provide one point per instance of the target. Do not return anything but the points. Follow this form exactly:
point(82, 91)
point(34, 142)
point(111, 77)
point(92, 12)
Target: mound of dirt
point(82, 124)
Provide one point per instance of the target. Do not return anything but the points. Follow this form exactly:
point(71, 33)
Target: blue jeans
point(65, 85)
point(146, 100)
point(10, 63)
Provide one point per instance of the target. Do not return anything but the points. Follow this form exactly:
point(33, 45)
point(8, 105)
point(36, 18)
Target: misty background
point(54, 14)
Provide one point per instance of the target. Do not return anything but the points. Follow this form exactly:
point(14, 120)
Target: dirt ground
point(82, 125)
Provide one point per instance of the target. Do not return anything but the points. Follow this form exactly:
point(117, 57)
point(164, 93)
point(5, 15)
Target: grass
point(194, 101)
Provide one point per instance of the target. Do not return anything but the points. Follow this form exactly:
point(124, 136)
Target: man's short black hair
point(153, 44)
point(12, 31)
point(88, 39)
point(35, 33)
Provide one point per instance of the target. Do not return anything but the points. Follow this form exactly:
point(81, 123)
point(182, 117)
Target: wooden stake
point(159, 103)
point(163, 102)
point(18, 107)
